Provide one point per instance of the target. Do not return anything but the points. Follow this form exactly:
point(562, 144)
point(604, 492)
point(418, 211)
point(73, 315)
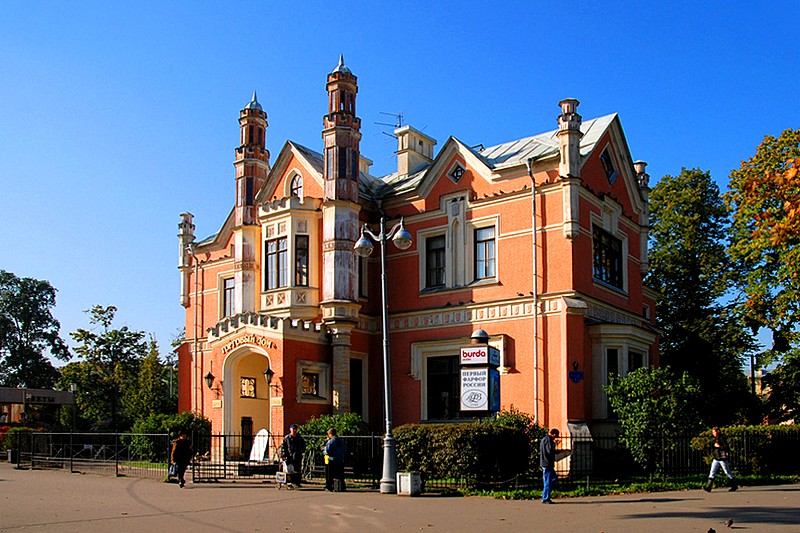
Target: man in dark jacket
point(721, 452)
point(292, 450)
point(334, 449)
point(547, 461)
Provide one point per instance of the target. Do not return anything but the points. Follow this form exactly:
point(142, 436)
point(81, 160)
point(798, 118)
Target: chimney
point(414, 149)
point(569, 139)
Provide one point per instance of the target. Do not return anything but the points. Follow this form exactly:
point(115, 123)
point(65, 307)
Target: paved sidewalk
point(44, 500)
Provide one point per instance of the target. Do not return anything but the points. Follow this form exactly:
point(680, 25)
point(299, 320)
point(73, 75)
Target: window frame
point(435, 262)
point(228, 297)
point(276, 263)
point(607, 258)
point(301, 261)
point(477, 274)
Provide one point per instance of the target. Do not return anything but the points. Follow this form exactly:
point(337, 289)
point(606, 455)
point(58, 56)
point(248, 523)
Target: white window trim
point(608, 220)
point(324, 372)
point(469, 256)
point(221, 278)
point(422, 237)
point(624, 339)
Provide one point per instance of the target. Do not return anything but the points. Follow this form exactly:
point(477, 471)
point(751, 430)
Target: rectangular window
point(607, 261)
point(484, 253)
point(248, 196)
point(301, 260)
point(329, 160)
point(310, 383)
point(612, 368)
point(354, 165)
point(434, 261)
point(276, 266)
point(343, 163)
point(228, 297)
point(442, 387)
point(635, 361)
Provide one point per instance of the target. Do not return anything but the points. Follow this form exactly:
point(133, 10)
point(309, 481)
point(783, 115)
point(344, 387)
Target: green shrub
point(196, 427)
point(315, 429)
point(11, 436)
point(514, 418)
point(483, 455)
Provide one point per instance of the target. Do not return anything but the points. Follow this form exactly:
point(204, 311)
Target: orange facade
point(540, 242)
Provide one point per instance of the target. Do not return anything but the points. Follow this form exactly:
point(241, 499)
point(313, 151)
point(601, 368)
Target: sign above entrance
point(250, 338)
point(480, 355)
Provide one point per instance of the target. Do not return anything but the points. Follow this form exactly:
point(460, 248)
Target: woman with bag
point(181, 456)
point(292, 450)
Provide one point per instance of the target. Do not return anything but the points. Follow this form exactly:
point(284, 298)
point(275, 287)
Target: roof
point(505, 155)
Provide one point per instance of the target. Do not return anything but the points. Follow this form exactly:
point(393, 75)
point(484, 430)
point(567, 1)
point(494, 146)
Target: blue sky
point(116, 117)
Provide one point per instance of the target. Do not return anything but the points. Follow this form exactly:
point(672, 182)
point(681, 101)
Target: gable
point(293, 160)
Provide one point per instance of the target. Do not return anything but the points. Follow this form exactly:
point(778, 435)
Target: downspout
point(535, 295)
point(195, 381)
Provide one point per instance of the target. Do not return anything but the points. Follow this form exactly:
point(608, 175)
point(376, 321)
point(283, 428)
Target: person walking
point(292, 450)
point(334, 448)
point(181, 455)
point(547, 461)
point(722, 453)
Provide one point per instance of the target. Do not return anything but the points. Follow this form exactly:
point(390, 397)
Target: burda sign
point(480, 389)
point(480, 355)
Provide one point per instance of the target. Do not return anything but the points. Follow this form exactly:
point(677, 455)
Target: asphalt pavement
point(55, 500)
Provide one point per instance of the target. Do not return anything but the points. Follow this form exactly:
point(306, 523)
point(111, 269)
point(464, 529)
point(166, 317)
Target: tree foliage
point(764, 195)
point(109, 367)
point(152, 394)
point(690, 268)
point(651, 403)
point(28, 331)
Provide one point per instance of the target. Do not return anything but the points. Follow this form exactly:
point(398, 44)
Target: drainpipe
point(535, 295)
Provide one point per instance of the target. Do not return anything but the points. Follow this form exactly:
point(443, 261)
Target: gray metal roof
point(254, 103)
point(542, 146)
point(341, 66)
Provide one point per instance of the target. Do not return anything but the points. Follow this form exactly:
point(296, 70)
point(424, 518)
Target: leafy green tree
point(111, 359)
point(690, 268)
point(151, 395)
point(27, 331)
point(764, 195)
point(652, 403)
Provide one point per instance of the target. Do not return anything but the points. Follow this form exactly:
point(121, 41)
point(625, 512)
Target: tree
point(28, 330)
point(690, 268)
point(764, 195)
point(152, 394)
point(652, 403)
point(110, 364)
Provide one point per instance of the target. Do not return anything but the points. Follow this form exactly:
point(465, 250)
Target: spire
point(341, 67)
point(254, 103)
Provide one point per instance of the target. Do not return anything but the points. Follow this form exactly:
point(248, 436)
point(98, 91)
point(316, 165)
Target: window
point(608, 166)
point(443, 387)
point(248, 387)
point(635, 361)
point(612, 367)
point(484, 253)
point(607, 263)
point(456, 173)
point(276, 263)
point(301, 260)
point(435, 261)
point(310, 384)
point(354, 164)
point(329, 155)
point(228, 297)
point(297, 187)
point(342, 162)
point(248, 194)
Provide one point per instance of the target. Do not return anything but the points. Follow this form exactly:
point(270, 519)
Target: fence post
point(71, 451)
point(116, 454)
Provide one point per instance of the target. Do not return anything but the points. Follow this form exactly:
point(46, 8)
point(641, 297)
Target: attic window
point(608, 166)
point(456, 173)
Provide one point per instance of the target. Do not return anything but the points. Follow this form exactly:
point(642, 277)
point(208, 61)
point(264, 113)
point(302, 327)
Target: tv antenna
point(398, 122)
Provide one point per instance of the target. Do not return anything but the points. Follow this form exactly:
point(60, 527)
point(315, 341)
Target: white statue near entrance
point(260, 447)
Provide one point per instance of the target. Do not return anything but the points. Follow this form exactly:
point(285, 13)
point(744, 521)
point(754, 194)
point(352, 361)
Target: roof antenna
point(398, 122)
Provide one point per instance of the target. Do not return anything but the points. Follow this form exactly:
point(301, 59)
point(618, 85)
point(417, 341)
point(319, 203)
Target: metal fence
point(121, 454)
point(599, 459)
point(245, 457)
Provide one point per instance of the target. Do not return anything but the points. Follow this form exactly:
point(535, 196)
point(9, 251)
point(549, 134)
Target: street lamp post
point(402, 239)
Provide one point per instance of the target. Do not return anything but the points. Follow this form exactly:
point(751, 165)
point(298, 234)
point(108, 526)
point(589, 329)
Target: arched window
point(297, 186)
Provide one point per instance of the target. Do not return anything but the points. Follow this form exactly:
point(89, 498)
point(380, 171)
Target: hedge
point(482, 455)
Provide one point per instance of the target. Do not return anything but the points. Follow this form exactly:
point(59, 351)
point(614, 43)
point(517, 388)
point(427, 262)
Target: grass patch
point(633, 487)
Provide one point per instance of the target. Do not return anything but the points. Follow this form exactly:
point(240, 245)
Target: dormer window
point(608, 166)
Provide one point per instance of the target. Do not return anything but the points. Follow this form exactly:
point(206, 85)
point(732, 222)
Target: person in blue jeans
point(547, 461)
